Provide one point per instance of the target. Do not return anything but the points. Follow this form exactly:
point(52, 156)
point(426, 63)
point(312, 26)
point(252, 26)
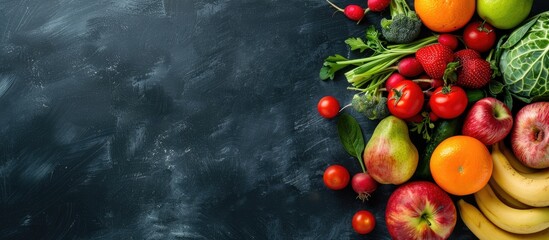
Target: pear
point(390, 156)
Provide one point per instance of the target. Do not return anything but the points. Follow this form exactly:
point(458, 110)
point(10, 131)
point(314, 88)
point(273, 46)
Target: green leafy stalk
point(377, 63)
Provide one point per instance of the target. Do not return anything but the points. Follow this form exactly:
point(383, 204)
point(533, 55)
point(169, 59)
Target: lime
point(504, 14)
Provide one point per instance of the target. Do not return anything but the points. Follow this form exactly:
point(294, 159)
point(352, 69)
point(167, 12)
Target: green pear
point(504, 14)
point(390, 156)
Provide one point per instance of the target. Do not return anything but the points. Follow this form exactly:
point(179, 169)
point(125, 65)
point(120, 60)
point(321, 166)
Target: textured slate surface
point(173, 119)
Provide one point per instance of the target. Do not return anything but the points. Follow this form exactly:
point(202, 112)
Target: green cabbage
point(524, 60)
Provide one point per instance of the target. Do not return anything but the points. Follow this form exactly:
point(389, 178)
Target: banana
point(505, 197)
point(513, 159)
point(520, 167)
point(530, 191)
point(521, 221)
point(486, 230)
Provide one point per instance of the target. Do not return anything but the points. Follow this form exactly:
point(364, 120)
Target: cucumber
point(474, 95)
point(445, 129)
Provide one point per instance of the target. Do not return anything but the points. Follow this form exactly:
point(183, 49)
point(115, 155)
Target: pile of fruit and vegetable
point(461, 116)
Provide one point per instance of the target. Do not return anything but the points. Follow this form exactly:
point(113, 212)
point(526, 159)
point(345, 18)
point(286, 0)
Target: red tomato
point(479, 36)
point(405, 100)
point(328, 107)
point(363, 222)
point(336, 177)
point(448, 103)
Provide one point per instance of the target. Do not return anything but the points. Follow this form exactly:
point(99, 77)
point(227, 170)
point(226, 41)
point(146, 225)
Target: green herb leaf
point(425, 127)
point(356, 43)
point(350, 135)
point(330, 66)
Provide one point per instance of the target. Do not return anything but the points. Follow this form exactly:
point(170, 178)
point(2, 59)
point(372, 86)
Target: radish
point(427, 83)
point(364, 185)
point(352, 11)
point(449, 40)
point(393, 80)
point(409, 67)
point(356, 12)
point(377, 5)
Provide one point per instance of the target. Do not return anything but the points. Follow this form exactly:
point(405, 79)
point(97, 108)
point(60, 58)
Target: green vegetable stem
point(380, 62)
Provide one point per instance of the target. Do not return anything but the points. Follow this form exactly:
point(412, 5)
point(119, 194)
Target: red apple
point(420, 210)
point(530, 136)
point(489, 120)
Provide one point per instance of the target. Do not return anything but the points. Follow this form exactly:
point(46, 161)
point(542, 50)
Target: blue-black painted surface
point(174, 119)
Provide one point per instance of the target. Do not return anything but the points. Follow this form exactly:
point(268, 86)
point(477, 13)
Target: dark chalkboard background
point(174, 119)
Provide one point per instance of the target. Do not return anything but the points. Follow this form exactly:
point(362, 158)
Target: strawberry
point(466, 54)
point(434, 59)
point(474, 73)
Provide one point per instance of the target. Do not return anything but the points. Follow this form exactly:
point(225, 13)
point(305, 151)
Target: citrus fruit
point(504, 14)
point(444, 16)
point(461, 165)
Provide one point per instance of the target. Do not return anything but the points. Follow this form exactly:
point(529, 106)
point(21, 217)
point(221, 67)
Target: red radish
point(427, 83)
point(377, 5)
point(364, 185)
point(448, 40)
point(409, 67)
point(437, 83)
point(393, 80)
point(352, 11)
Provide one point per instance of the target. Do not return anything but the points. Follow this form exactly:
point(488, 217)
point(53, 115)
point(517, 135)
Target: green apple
point(504, 14)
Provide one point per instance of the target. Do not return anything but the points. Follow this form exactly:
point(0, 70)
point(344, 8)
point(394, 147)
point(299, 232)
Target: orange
point(461, 165)
point(444, 15)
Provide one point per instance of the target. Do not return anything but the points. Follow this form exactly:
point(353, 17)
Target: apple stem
point(538, 135)
point(424, 217)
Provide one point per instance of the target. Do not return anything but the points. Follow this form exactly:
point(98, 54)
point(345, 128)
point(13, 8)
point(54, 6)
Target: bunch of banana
point(530, 188)
point(515, 203)
point(484, 229)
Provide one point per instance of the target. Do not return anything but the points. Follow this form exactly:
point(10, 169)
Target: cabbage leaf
point(524, 60)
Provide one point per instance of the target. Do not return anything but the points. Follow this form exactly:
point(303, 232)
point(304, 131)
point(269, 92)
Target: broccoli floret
point(404, 26)
point(373, 106)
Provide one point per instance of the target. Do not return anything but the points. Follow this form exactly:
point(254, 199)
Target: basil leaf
point(350, 135)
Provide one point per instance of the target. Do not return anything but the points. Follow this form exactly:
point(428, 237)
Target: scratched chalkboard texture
point(174, 119)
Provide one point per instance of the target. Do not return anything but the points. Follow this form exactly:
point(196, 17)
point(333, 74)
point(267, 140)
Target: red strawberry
point(474, 73)
point(434, 59)
point(466, 54)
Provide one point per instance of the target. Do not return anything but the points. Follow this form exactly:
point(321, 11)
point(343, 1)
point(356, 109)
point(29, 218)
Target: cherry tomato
point(448, 103)
point(328, 107)
point(336, 177)
point(479, 36)
point(363, 222)
point(405, 100)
